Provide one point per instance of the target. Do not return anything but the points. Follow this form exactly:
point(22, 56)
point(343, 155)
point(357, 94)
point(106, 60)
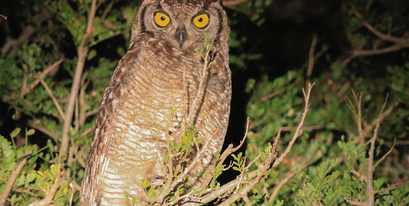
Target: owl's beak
point(181, 35)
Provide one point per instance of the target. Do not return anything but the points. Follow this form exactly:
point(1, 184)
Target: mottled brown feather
point(146, 102)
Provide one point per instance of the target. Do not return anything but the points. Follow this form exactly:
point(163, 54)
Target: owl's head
point(182, 22)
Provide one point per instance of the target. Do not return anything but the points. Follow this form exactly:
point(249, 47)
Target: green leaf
point(30, 132)
point(15, 132)
point(151, 193)
point(145, 183)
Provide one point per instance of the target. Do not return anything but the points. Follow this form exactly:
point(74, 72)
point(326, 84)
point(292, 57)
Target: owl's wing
point(103, 133)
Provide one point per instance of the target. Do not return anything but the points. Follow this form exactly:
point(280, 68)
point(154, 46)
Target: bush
point(57, 58)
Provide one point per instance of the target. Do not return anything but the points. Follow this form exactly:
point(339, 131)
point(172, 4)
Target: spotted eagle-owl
point(153, 92)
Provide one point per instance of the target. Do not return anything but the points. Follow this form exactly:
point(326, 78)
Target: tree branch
point(55, 101)
point(39, 78)
point(232, 4)
point(82, 53)
point(48, 199)
point(370, 195)
point(298, 131)
point(10, 183)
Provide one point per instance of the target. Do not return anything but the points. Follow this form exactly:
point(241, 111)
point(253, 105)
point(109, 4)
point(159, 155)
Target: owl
point(161, 86)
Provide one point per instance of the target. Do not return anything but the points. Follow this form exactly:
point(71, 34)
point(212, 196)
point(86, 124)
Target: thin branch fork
point(48, 199)
point(382, 115)
point(255, 176)
point(400, 42)
point(229, 150)
point(243, 192)
point(40, 77)
point(196, 160)
point(369, 185)
point(298, 131)
point(289, 175)
point(380, 35)
point(172, 184)
point(5, 17)
point(82, 53)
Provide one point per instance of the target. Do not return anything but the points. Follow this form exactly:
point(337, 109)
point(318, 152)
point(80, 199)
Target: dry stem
point(10, 183)
point(298, 131)
point(399, 42)
point(48, 199)
point(39, 78)
point(55, 101)
point(311, 58)
point(200, 90)
point(254, 177)
point(82, 53)
point(370, 195)
point(232, 4)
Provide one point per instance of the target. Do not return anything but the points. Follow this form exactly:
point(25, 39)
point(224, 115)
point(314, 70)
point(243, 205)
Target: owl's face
point(182, 23)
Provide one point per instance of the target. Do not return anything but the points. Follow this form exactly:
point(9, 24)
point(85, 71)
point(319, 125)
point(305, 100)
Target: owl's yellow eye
point(201, 21)
point(161, 19)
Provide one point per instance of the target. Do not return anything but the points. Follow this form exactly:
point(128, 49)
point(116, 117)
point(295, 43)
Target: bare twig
point(82, 53)
point(198, 158)
point(255, 176)
point(171, 184)
point(39, 78)
point(232, 4)
point(354, 202)
point(48, 199)
point(270, 96)
point(229, 150)
point(82, 104)
point(360, 176)
point(368, 5)
point(359, 105)
point(243, 192)
point(200, 90)
point(246, 199)
point(43, 130)
point(389, 49)
point(384, 156)
point(368, 128)
point(387, 188)
point(72, 193)
point(370, 195)
point(25, 191)
point(10, 183)
point(311, 58)
point(55, 101)
point(24, 86)
point(89, 113)
point(399, 42)
point(298, 131)
point(87, 131)
point(377, 33)
point(12, 44)
point(288, 177)
point(276, 140)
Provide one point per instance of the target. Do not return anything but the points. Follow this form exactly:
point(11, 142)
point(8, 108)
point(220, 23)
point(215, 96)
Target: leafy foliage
point(330, 163)
point(30, 183)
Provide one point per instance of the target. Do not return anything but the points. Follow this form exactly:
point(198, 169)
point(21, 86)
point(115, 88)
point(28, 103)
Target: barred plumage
point(150, 95)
